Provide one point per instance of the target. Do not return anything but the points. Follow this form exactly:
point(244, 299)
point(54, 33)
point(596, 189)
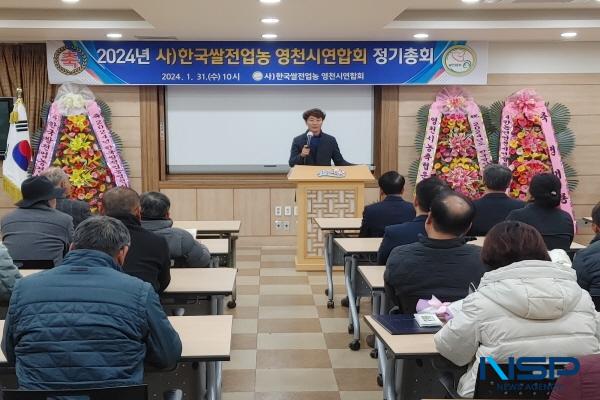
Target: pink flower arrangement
point(528, 153)
point(456, 156)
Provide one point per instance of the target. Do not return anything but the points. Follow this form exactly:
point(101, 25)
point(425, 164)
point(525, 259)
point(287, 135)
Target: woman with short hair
point(525, 306)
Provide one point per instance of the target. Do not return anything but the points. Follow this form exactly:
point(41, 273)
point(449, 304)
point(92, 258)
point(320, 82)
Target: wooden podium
point(321, 195)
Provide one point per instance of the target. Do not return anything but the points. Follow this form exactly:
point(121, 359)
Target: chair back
point(135, 392)
point(492, 387)
point(34, 264)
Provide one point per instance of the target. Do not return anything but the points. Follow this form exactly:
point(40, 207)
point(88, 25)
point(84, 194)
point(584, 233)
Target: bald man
point(441, 264)
point(148, 257)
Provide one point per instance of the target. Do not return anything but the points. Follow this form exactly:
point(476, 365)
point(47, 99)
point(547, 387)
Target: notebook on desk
point(403, 324)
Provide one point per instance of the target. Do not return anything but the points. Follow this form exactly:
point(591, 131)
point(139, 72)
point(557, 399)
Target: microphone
point(309, 136)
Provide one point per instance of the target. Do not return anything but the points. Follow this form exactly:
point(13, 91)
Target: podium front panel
point(323, 200)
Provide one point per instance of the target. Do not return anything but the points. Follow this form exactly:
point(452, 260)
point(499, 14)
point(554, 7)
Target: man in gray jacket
point(185, 250)
point(8, 274)
point(36, 230)
point(78, 209)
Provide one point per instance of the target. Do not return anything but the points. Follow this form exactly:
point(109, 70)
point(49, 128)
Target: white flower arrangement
point(72, 99)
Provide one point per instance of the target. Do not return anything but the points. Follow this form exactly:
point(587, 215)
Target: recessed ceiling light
point(421, 35)
point(470, 1)
point(114, 35)
point(269, 20)
point(568, 34)
point(269, 36)
point(70, 1)
point(270, 1)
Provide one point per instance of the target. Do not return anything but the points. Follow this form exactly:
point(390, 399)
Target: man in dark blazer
point(408, 232)
point(391, 210)
point(315, 147)
point(495, 205)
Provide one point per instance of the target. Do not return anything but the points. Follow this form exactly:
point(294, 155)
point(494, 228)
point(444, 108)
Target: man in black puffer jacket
point(587, 261)
point(441, 264)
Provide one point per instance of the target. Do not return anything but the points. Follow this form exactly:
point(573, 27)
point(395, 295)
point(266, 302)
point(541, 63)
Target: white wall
point(548, 58)
point(250, 128)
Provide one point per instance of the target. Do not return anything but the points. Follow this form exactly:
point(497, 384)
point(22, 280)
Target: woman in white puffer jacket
point(526, 306)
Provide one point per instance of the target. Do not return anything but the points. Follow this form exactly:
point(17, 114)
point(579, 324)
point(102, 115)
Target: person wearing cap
point(36, 230)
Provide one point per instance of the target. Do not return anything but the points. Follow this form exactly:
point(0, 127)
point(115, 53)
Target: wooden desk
point(399, 347)
point(214, 344)
point(223, 247)
point(211, 347)
point(403, 346)
point(480, 239)
point(358, 245)
point(27, 272)
point(214, 227)
point(373, 277)
point(217, 247)
point(187, 283)
point(202, 281)
point(331, 228)
point(351, 247)
point(338, 224)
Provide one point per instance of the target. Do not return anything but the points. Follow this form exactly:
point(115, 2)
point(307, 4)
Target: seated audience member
point(495, 205)
point(86, 324)
point(584, 385)
point(544, 214)
point(77, 209)
point(36, 230)
point(441, 264)
point(8, 274)
point(587, 261)
point(391, 210)
point(525, 306)
point(148, 256)
point(184, 249)
point(408, 232)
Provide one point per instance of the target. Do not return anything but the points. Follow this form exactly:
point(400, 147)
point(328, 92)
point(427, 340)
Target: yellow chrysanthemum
point(79, 142)
point(80, 177)
point(78, 120)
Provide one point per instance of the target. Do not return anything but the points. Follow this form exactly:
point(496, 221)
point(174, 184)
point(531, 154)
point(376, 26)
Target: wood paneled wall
point(255, 206)
point(579, 92)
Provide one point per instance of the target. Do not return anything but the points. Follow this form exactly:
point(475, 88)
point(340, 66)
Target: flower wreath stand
point(77, 138)
point(452, 142)
point(533, 140)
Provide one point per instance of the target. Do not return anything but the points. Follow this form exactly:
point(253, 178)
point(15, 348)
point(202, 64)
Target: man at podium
point(315, 147)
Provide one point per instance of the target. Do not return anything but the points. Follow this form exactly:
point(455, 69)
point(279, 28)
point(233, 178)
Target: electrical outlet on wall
point(278, 211)
point(296, 210)
point(278, 225)
point(285, 225)
point(287, 211)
